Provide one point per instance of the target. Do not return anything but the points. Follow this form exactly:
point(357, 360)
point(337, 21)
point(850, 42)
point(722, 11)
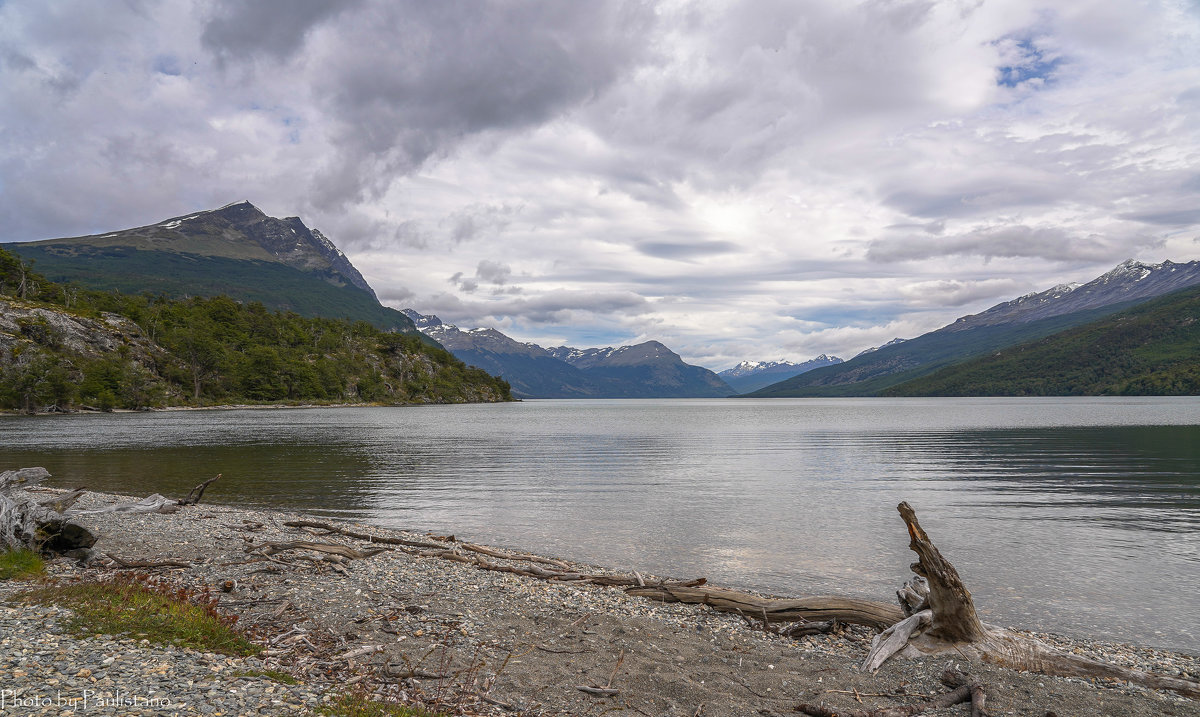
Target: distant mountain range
point(1150, 349)
point(752, 375)
point(236, 250)
point(647, 370)
point(1011, 323)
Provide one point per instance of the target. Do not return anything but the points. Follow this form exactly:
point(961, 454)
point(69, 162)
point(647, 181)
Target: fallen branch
point(198, 491)
point(412, 674)
point(384, 539)
point(129, 564)
point(345, 551)
point(514, 556)
point(803, 628)
point(360, 651)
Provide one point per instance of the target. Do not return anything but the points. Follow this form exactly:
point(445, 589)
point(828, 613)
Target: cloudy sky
point(740, 180)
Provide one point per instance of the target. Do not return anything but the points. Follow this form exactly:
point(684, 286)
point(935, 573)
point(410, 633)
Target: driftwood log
point(950, 624)
point(808, 609)
point(47, 526)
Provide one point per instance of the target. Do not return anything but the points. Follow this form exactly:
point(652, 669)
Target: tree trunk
point(46, 526)
point(951, 625)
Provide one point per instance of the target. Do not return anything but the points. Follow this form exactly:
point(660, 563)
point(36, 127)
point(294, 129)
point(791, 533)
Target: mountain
point(1129, 282)
point(1151, 349)
point(753, 375)
point(63, 348)
point(529, 369)
point(645, 370)
point(893, 342)
point(1013, 322)
point(648, 370)
point(236, 250)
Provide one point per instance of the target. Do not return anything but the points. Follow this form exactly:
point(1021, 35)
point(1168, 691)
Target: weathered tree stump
point(47, 526)
point(950, 624)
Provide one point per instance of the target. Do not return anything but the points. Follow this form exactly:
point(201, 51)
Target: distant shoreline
point(241, 407)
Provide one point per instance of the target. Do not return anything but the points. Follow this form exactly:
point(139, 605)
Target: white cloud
point(740, 180)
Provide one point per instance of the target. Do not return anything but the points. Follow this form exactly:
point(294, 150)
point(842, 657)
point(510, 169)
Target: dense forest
point(64, 347)
point(1151, 349)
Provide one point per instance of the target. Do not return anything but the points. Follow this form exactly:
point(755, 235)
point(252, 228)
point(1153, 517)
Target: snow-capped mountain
point(609, 356)
point(873, 349)
point(753, 375)
point(1128, 282)
point(1012, 322)
point(647, 370)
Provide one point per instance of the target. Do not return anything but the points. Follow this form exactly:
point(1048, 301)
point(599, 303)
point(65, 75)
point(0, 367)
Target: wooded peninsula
point(63, 347)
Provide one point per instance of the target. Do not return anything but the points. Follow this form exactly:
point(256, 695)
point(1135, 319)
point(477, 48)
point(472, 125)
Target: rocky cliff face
point(288, 240)
point(24, 327)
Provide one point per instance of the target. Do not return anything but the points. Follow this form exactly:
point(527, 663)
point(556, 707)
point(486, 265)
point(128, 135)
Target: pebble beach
point(400, 626)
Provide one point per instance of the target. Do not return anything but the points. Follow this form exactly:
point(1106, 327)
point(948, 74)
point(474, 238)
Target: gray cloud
point(1173, 218)
point(685, 251)
point(551, 308)
point(240, 29)
point(404, 82)
point(465, 285)
point(980, 198)
point(1012, 241)
point(493, 271)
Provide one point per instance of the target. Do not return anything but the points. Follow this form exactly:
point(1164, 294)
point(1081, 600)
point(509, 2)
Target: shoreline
point(471, 635)
point(238, 407)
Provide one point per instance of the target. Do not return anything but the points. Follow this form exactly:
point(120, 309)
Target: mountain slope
point(753, 375)
point(66, 348)
point(645, 370)
point(236, 250)
point(1024, 319)
point(648, 370)
point(530, 369)
point(1151, 349)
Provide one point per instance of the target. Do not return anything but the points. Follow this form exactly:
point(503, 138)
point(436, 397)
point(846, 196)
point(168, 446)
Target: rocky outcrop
point(25, 326)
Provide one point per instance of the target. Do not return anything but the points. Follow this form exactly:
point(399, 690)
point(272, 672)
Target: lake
point(1079, 516)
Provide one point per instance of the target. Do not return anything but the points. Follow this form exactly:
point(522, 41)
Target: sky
point(755, 180)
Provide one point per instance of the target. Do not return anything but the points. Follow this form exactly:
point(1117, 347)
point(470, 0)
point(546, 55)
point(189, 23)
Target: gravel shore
point(401, 626)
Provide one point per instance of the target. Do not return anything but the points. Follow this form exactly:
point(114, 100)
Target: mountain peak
point(1131, 269)
point(752, 375)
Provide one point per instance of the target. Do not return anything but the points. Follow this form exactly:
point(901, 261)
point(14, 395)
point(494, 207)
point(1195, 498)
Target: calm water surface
point(1080, 516)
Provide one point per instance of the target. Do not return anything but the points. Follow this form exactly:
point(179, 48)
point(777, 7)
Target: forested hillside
point(63, 347)
point(1152, 349)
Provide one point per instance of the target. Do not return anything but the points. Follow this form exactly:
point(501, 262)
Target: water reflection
point(1072, 515)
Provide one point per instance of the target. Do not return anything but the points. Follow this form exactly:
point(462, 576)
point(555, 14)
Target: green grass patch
point(359, 706)
point(145, 609)
point(21, 565)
